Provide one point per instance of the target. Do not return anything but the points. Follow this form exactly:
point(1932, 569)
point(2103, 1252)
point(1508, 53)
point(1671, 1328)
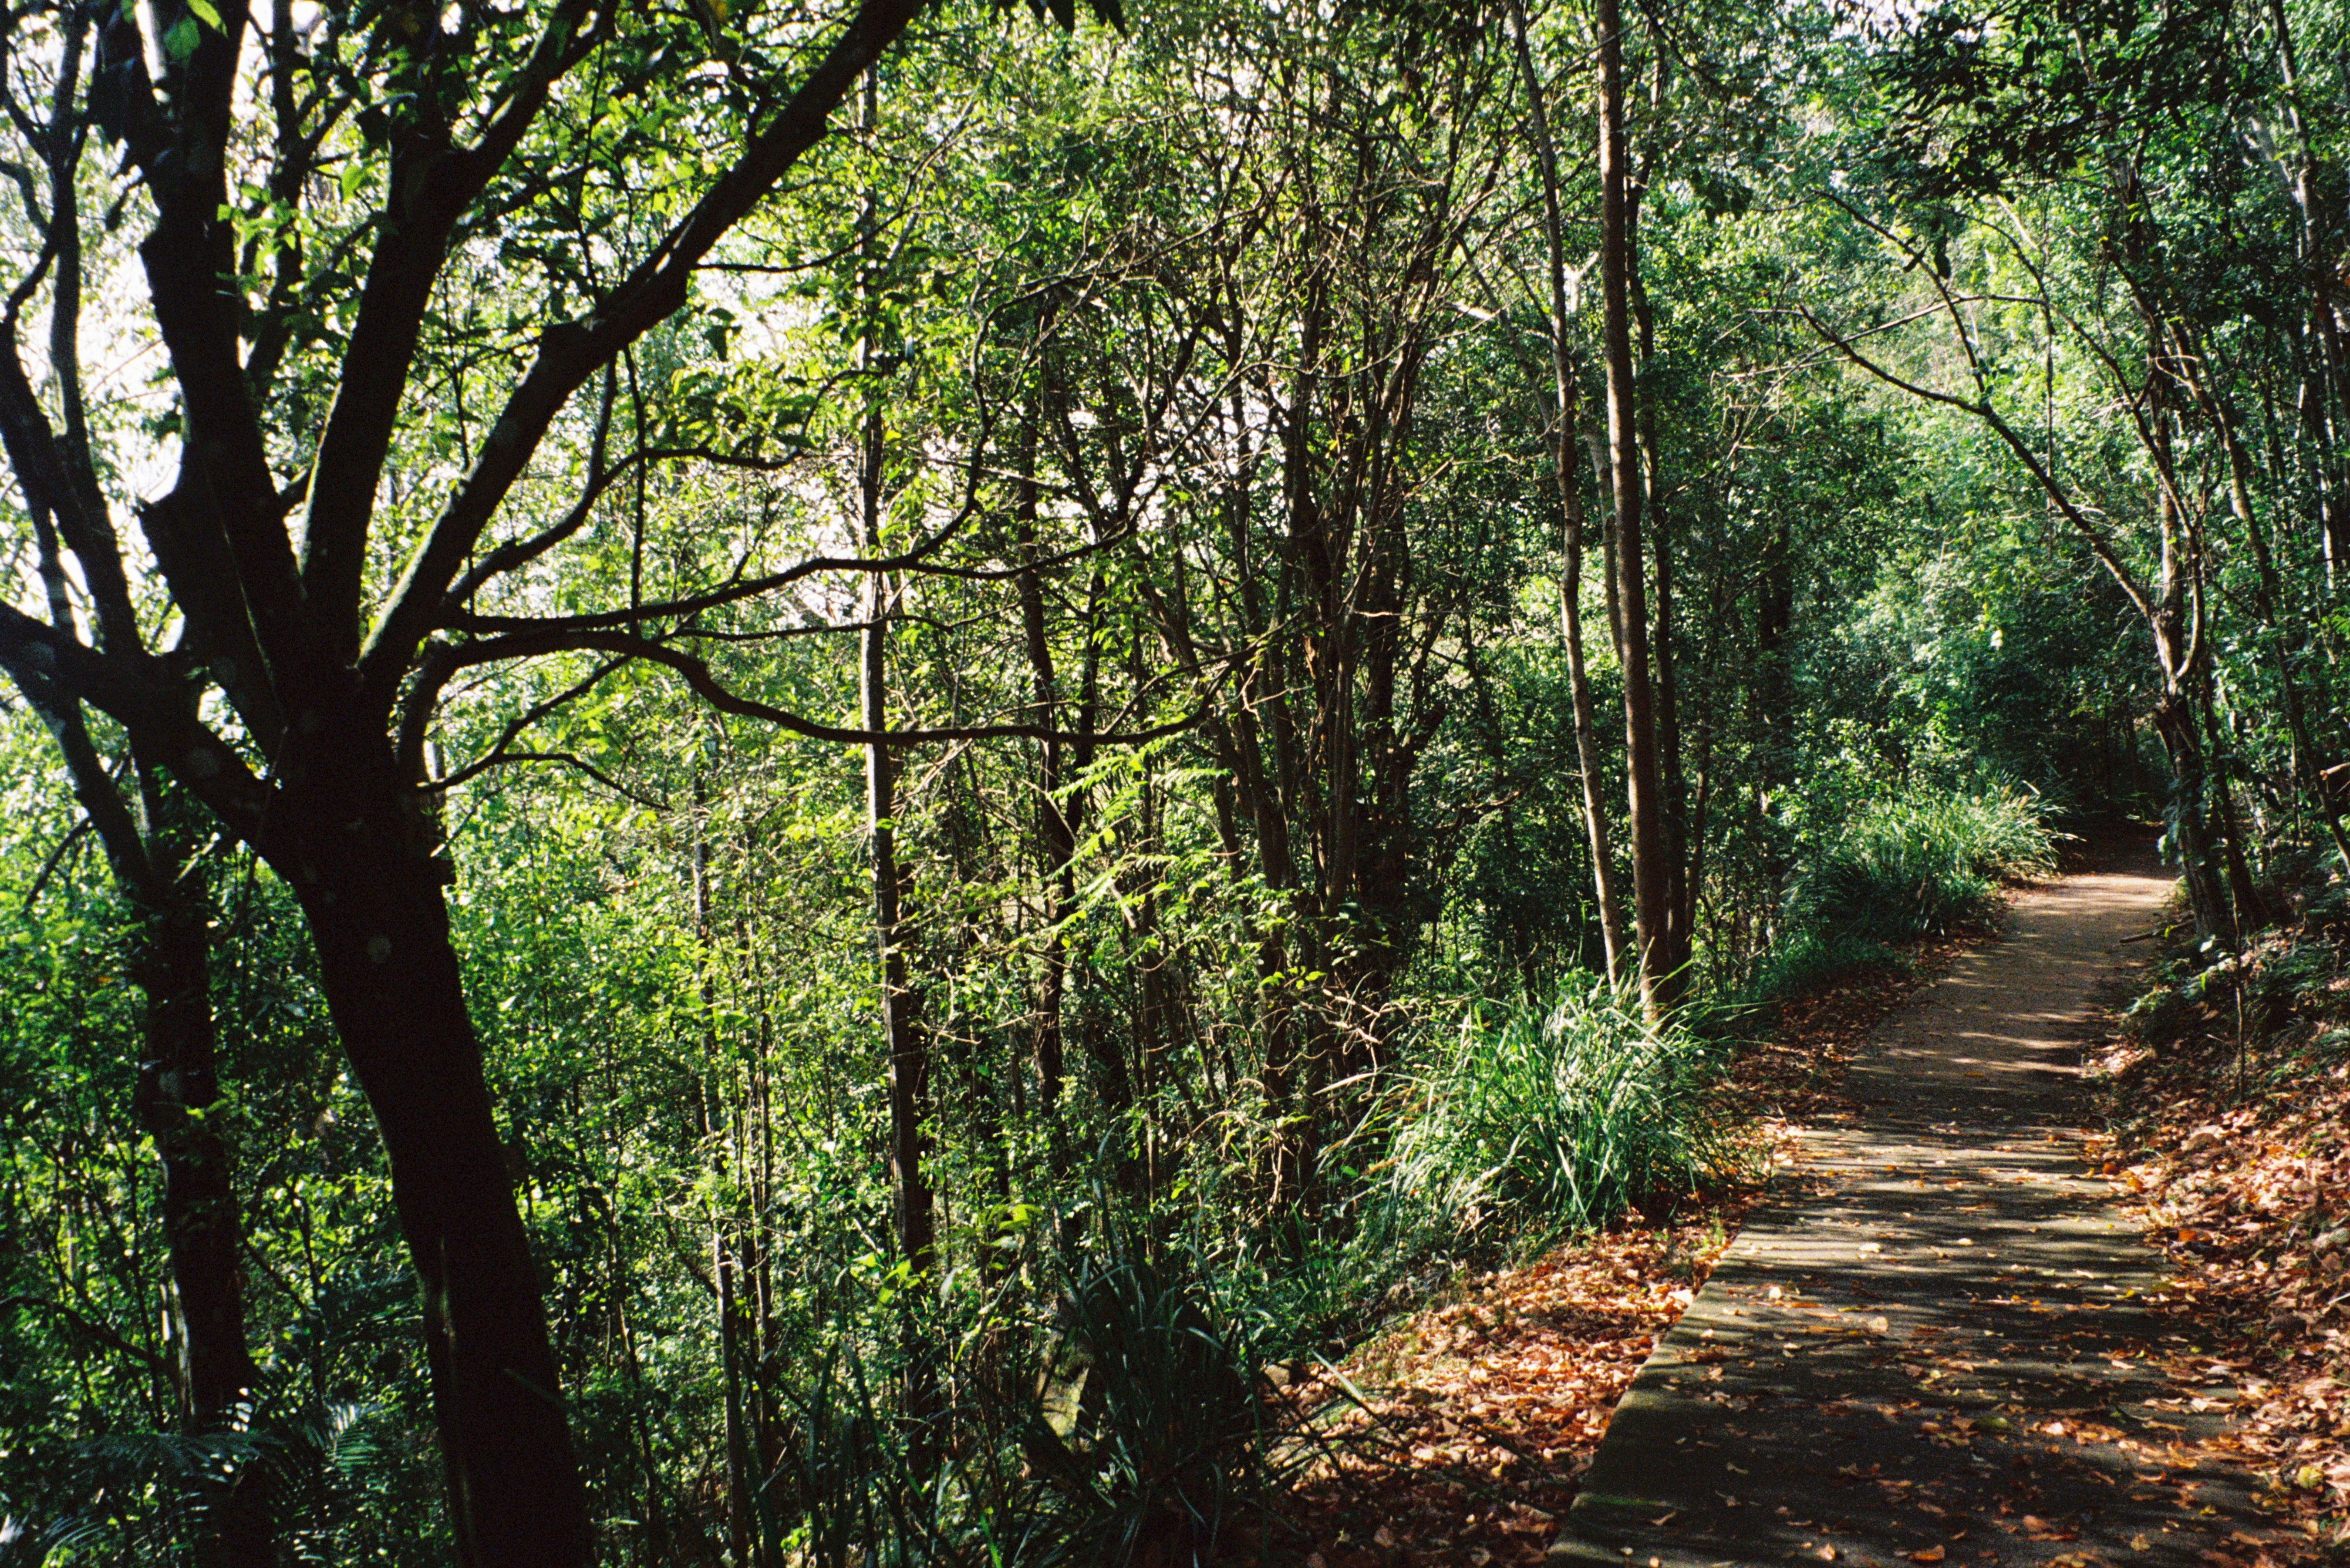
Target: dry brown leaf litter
point(2249, 1199)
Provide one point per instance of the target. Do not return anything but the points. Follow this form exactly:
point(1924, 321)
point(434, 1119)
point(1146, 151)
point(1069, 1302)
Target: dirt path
point(1932, 1351)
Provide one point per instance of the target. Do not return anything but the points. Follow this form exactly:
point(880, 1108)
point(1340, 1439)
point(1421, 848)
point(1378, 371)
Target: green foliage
point(1167, 1444)
point(1813, 960)
point(1559, 1115)
point(1991, 96)
point(1925, 861)
point(1205, 386)
point(1986, 647)
point(1123, 1429)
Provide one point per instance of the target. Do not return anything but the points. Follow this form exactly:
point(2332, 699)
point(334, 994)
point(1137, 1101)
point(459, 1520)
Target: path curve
point(1933, 1351)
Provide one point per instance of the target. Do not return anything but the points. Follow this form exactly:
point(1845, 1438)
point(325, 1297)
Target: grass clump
point(1559, 1115)
point(1812, 961)
point(1926, 863)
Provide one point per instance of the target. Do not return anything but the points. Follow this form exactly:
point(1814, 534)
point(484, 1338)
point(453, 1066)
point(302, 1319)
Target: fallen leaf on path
point(1931, 1555)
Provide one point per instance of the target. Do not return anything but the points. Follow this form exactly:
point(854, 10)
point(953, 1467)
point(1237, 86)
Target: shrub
point(1559, 1115)
point(1811, 961)
point(1125, 1433)
point(1162, 1446)
point(1926, 862)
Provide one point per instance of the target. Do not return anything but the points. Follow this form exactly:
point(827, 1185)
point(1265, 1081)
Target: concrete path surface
point(1931, 1353)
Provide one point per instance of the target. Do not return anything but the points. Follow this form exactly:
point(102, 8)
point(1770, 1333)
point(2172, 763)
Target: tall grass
point(1926, 862)
point(1558, 1116)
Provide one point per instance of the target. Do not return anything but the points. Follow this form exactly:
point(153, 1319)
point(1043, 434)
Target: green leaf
point(203, 11)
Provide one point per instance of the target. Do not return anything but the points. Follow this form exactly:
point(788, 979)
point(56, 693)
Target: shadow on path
point(1933, 1352)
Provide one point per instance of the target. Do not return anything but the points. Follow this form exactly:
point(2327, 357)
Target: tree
point(297, 265)
point(1975, 120)
point(1565, 463)
point(1661, 979)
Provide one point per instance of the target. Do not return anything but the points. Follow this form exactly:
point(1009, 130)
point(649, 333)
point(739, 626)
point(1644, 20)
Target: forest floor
point(2229, 1139)
point(2043, 1398)
point(1460, 1434)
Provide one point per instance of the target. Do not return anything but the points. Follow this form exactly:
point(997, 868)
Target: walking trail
point(1934, 1351)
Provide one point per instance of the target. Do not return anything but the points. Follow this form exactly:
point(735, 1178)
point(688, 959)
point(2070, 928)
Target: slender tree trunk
point(1054, 830)
point(1660, 980)
point(178, 1083)
point(1587, 734)
point(909, 1069)
point(657, 1543)
point(909, 1066)
point(2309, 767)
point(1567, 390)
point(1659, 522)
point(742, 1527)
point(2176, 626)
point(2325, 394)
point(2174, 722)
point(1668, 729)
point(1773, 698)
point(909, 1055)
point(725, 1254)
point(2242, 893)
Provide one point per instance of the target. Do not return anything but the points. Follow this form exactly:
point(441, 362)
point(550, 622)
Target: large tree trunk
point(345, 837)
point(1661, 979)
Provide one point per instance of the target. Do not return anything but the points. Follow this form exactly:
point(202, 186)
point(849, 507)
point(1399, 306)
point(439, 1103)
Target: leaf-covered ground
point(2230, 1094)
point(1457, 1436)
